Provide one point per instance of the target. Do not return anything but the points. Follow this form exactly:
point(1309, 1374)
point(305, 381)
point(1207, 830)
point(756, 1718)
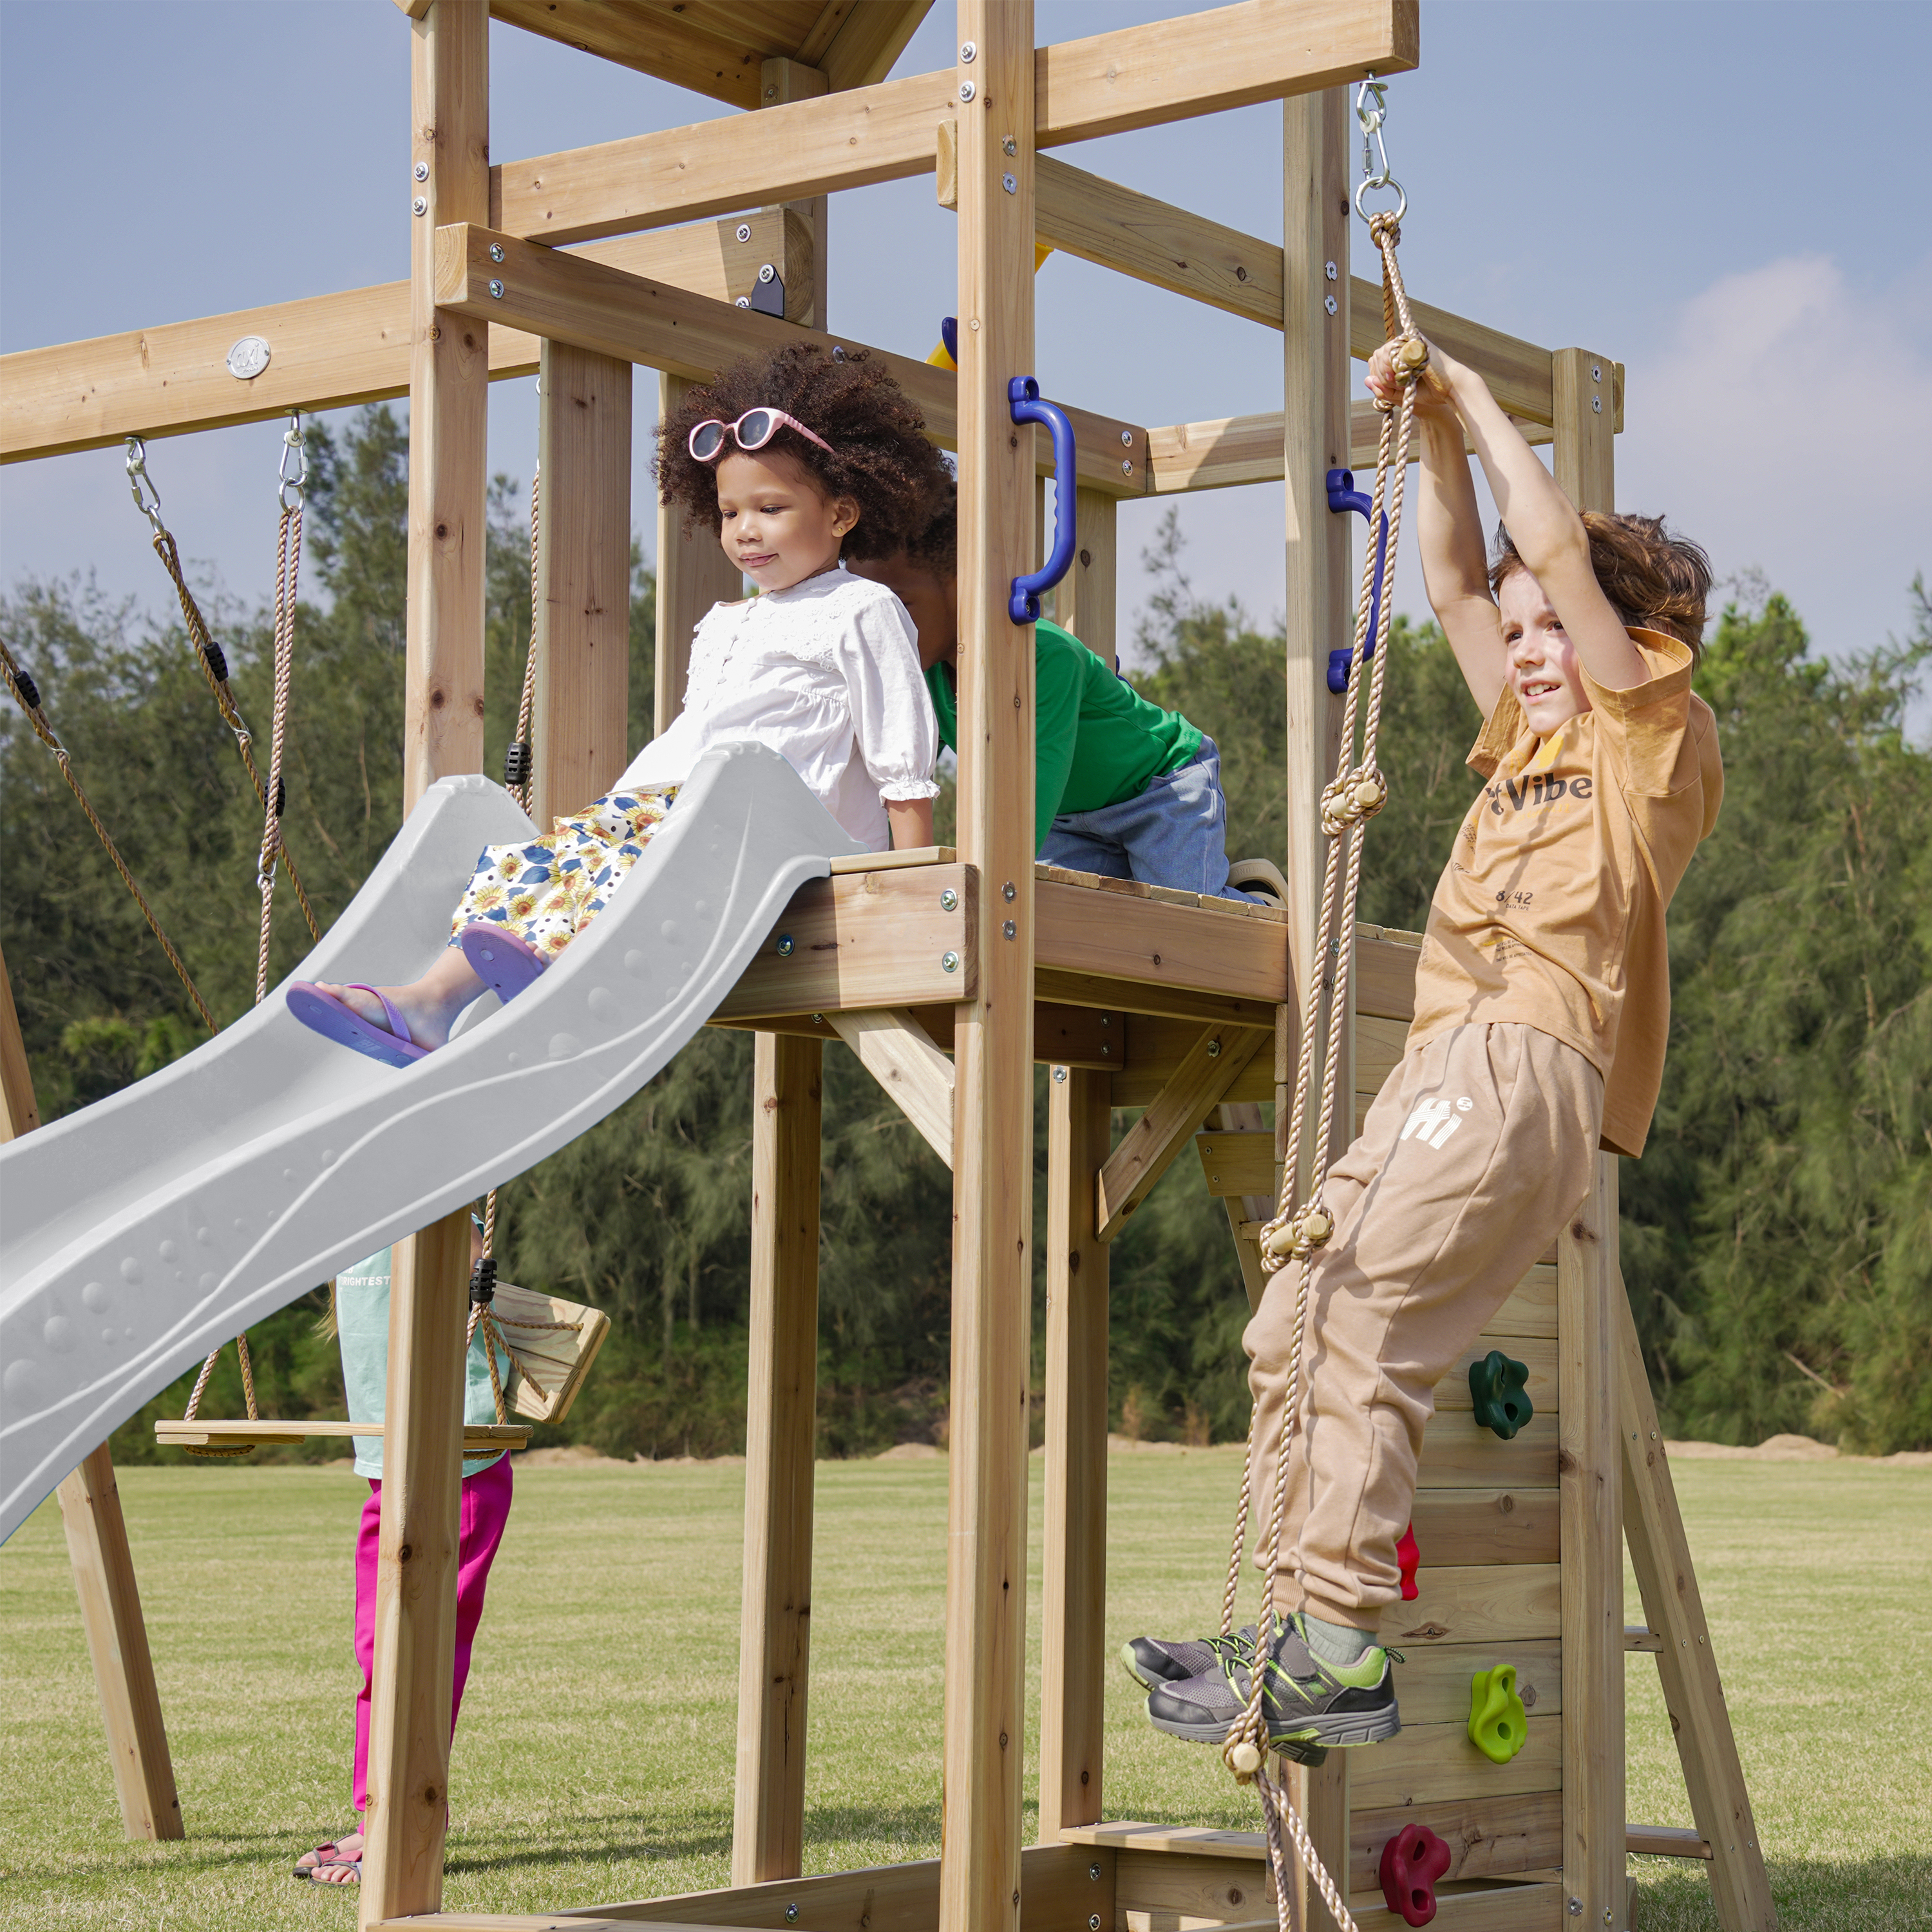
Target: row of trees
point(1777, 1233)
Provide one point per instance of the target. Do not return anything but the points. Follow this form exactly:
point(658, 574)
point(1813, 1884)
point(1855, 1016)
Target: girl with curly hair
point(797, 460)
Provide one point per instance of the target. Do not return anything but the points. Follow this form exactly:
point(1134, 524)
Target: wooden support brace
point(894, 1048)
point(1150, 1147)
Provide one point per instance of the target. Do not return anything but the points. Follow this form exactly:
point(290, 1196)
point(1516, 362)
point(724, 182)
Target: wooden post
point(583, 579)
point(96, 1545)
point(422, 1460)
point(1591, 1514)
point(779, 81)
point(992, 1255)
point(1586, 445)
point(1073, 1617)
point(693, 574)
point(1087, 600)
point(1316, 375)
point(768, 1823)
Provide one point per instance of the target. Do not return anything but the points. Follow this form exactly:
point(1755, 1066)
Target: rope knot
point(1384, 231)
point(1296, 1236)
point(1347, 801)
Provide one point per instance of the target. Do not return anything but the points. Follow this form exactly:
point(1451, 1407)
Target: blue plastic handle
point(1342, 497)
point(1023, 393)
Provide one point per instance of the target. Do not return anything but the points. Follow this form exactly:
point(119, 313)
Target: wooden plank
point(1641, 1637)
point(1482, 1603)
point(416, 1595)
point(992, 1266)
point(1110, 935)
point(1501, 1908)
point(1470, 1526)
point(864, 940)
point(896, 860)
point(1432, 1681)
point(1385, 978)
point(1430, 1764)
point(1453, 1402)
point(895, 1050)
point(1155, 1141)
point(725, 67)
point(1593, 1567)
point(1462, 1457)
point(1157, 1045)
point(1238, 1164)
point(1156, 1891)
point(694, 573)
point(768, 1825)
point(1692, 1693)
point(262, 1435)
point(1665, 1841)
point(865, 40)
point(1530, 1309)
point(1585, 423)
point(1134, 77)
point(1488, 1836)
point(554, 1343)
point(329, 351)
point(1062, 1035)
point(1086, 600)
point(19, 1110)
point(583, 602)
point(1073, 1610)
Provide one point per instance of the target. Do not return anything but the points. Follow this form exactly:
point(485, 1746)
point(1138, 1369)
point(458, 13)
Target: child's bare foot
point(338, 1863)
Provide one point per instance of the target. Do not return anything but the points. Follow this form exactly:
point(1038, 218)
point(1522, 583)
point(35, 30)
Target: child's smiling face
point(774, 524)
point(1543, 672)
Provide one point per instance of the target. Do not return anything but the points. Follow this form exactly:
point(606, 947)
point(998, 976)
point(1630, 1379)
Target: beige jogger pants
point(1478, 1146)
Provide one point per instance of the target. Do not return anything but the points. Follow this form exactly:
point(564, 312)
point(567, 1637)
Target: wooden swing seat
point(261, 1434)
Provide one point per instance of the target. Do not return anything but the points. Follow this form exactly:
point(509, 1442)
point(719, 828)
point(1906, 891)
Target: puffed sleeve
point(891, 710)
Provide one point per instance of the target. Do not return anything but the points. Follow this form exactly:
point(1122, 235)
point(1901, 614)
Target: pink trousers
point(485, 1510)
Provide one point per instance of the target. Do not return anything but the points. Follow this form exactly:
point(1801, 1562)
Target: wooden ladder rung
point(1665, 1841)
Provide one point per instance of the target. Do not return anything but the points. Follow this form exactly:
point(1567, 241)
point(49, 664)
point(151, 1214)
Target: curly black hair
point(879, 458)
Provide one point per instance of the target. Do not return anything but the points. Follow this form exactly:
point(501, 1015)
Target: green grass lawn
point(595, 1757)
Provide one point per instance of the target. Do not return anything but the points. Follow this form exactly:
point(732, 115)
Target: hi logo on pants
point(1433, 1121)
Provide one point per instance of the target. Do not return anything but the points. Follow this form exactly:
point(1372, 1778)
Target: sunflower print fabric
point(547, 891)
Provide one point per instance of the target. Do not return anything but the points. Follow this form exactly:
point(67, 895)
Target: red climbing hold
point(1407, 1555)
point(1412, 1860)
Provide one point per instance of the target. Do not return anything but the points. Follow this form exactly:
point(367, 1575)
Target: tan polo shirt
point(1551, 911)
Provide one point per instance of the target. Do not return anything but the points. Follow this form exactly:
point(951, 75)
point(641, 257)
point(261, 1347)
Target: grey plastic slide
point(138, 1234)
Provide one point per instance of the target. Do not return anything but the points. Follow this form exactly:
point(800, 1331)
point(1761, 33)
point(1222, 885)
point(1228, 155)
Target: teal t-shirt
point(1098, 741)
point(362, 1327)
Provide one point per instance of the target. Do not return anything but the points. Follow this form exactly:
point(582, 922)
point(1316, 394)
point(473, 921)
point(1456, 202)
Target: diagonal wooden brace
point(894, 1048)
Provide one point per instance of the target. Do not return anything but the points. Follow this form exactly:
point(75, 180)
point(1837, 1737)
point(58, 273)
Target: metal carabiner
point(292, 446)
point(149, 505)
point(1374, 152)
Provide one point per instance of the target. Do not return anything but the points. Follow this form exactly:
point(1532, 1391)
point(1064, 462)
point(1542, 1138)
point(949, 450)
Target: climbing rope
point(1300, 1227)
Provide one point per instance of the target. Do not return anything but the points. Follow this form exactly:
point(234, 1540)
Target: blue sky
point(1729, 197)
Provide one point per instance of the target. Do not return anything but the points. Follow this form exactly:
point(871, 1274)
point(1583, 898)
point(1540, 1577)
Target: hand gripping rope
point(1356, 793)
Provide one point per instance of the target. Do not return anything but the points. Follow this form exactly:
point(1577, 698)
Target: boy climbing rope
point(797, 459)
point(1122, 788)
point(1542, 1003)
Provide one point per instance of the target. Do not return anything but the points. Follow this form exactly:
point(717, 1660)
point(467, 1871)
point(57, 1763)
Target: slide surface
point(139, 1233)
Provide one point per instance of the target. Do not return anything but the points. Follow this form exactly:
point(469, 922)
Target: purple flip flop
point(501, 960)
point(323, 1012)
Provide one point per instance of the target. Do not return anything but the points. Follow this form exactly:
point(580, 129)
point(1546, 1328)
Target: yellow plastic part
point(1498, 1724)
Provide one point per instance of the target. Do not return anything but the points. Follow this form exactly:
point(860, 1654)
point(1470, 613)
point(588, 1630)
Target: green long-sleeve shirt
point(1098, 740)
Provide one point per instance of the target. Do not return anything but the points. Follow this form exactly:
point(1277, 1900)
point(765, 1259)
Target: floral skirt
point(547, 891)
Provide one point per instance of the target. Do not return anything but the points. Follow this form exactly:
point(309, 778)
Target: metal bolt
point(1596, 372)
point(496, 251)
point(949, 901)
point(419, 205)
point(744, 231)
point(1126, 438)
point(949, 962)
point(1328, 269)
point(1094, 1872)
point(968, 52)
point(1213, 1049)
point(1106, 1019)
point(1331, 305)
point(1009, 891)
point(1060, 1076)
point(1596, 406)
point(791, 1915)
point(1576, 1908)
point(786, 947)
point(1126, 469)
point(1010, 183)
point(1011, 931)
point(967, 90)
point(495, 292)
point(1008, 146)
point(744, 301)
point(818, 1019)
point(767, 272)
point(1092, 1921)
point(421, 171)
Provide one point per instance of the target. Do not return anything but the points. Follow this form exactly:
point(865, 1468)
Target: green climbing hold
point(1500, 1387)
point(1497, 1722)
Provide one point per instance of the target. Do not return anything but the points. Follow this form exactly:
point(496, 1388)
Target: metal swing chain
point(1356, 793)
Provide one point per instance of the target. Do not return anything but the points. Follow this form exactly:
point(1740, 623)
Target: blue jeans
point(1175, 833)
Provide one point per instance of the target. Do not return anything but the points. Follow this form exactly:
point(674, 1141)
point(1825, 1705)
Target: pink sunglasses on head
point(752, 430)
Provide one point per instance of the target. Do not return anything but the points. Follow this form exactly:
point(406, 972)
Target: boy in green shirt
point(1122, 788)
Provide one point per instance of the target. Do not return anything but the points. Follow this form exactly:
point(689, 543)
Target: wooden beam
point(768, 1825)
point(1150, 1148)
point(721, 64)
point(1585, 420)
point(1680, 1636)
point(895, 1050)
point(173, 1433)
point(1084, 931)
point(1086, 600)
point(1670, 1841)
point(567, 298)
point(992, 1255)
point(694, 573)
point(330, 352)
point(583, 579)
point(1591, 1504)
point(1134, 77)
point(782, 81)
point(19, 1110)
point(1073, 1610)
point(863, 40)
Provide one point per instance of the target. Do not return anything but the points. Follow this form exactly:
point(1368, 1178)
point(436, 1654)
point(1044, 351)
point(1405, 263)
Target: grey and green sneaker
point(1151, 1661)
point(1307, 1701)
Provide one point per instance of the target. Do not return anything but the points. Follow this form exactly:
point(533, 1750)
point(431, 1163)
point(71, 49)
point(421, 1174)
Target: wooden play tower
point(953, 972)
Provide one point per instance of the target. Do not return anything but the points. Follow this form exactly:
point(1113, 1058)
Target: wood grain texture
point(19, 1110)
point(1462, 1456)
point(580, 723)
point(1474, 1526)
point(896, 1051)
point(1488, 1836)
point(269, 1433)
point(1428, 1764)
point(1087, 599)
point(1584, 419)
point(1432, 1681)
point(722, 63)
point(1454, 1404)
point(694, 573)
point(780, 81)
point(774, 1654)
point(1480, 1602)
point(1073, 1605)
point(863, 39)
point(1118, 936)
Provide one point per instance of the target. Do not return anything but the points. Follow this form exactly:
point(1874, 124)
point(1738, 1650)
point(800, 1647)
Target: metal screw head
point(1331, 305)
point(786, 947)
point(744, 301)
point(949, 962)
point(949, 901)
point(1596, 372)
point(1576, 1908)
point(1094, 1872)
point(1596, 406)
point(1010, 929)
point(1008, 146)
point(1092, 1921)
point(968, 52)
point(967, 90)
point(1060, 1076)
point(791, 1915)
point(419, 206)
point(767, 272)
point(744, 231)
point(421, 171)
point(1009, 891)
point(495, 292)
point(818, 1019)
point(1010, 183)
point(1126, 438)
point(1126, 469)
point(1213, 1049)
point(496, 251)
point(1328, 269)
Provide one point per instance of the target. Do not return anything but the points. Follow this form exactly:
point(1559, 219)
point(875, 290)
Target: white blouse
point(826, 674)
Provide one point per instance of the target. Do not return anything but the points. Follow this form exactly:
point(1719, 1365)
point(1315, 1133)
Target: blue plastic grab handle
point(1344, 497)
point(1023, 393)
